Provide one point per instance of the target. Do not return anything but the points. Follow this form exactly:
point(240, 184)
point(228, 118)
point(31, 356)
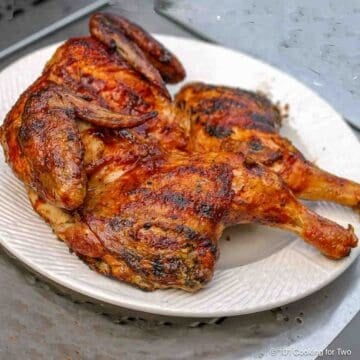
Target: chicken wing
point(48, 140)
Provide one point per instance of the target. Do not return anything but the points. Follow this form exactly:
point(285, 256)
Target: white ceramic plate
point(259, 268)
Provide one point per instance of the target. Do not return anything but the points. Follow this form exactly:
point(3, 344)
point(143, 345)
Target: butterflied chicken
point(105, 157)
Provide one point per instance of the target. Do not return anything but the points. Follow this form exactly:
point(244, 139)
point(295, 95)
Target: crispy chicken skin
point(97, 76)
point(157, 224)
point(149, 226)
point(107, 161)
point(236, 120)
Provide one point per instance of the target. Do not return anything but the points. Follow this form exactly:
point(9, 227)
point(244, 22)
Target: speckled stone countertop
point(41, 321)
point(38, 322)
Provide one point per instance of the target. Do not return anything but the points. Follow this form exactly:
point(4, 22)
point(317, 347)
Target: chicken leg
point(157, 224)
point(235, 120)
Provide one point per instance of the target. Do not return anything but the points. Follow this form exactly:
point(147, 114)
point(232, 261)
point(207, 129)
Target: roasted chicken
point(113, 165)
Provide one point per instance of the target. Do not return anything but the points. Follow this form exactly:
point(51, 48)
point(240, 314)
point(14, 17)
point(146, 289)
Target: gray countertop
point(39, 322)
point(316, 43)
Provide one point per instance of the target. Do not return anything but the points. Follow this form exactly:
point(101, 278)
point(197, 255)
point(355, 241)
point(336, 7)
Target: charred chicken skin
point(111, 164)
point(240, 121)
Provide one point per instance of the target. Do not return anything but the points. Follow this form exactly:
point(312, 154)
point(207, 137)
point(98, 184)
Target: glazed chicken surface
point(141, 187)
